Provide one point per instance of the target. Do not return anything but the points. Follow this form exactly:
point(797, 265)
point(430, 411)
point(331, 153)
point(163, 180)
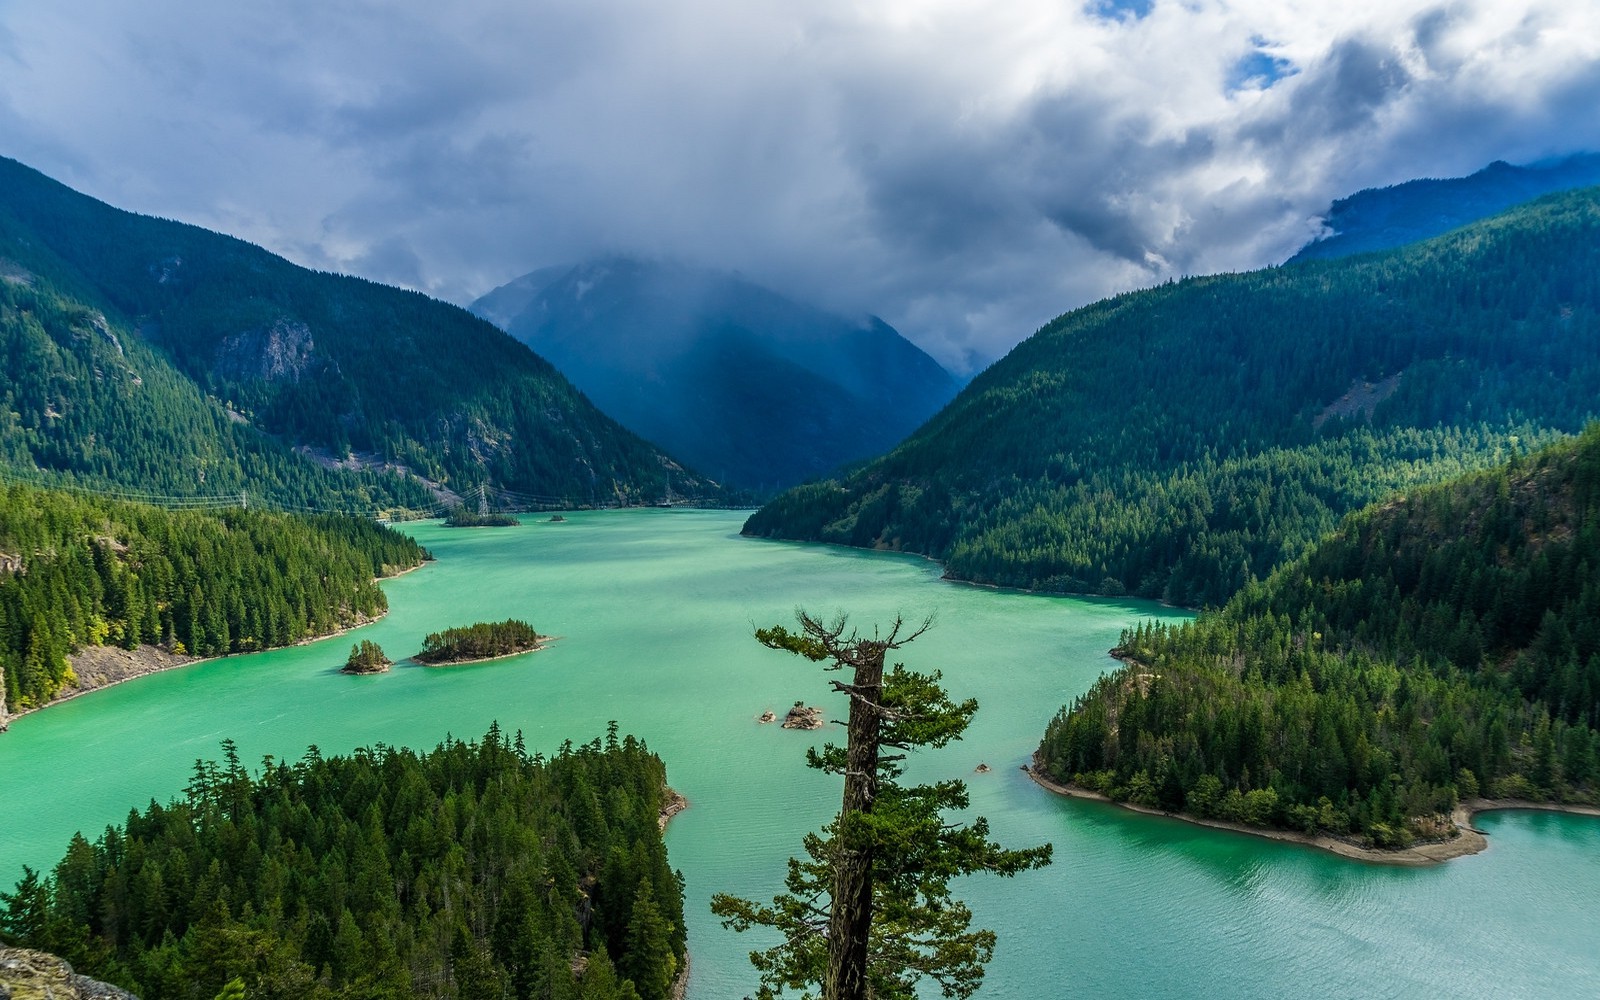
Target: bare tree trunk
point(850, 921)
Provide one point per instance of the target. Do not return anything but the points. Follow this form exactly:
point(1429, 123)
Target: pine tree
point(869, 912)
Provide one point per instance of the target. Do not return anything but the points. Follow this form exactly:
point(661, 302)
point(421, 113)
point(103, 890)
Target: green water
point(655, 610)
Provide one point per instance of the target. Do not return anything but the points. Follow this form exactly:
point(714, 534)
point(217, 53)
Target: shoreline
point(171, 661)
point(1467, 841)
point(675, 804)
point(945, 577)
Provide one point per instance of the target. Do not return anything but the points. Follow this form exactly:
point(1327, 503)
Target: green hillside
point(1441, 645)
point(276, 357)
point(83, 571)
point(472, 871)
point(1177, 441)
point(84, 402)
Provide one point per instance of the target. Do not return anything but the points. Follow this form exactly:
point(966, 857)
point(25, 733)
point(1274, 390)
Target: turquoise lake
point(654, 610)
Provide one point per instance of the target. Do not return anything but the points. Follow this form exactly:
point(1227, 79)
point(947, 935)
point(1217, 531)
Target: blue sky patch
point(1258, 70)
point(1117, 9)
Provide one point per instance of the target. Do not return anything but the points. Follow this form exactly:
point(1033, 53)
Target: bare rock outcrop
point(801, 717)
point(34, 975)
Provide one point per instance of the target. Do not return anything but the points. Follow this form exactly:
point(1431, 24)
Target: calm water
point(655, 610)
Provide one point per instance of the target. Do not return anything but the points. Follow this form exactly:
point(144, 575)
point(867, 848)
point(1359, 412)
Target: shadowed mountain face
point(1382, 218)
point(752, 388)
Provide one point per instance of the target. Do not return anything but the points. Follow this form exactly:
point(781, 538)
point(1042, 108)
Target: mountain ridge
point(1166, 442)
point(1383, 218)
point(740, 381)
point(324, 361)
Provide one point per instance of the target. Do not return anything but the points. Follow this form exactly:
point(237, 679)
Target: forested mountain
point(1177, 441)
point(1443, 644)
point(474, 871)
point(1384, 218)
point(339, 365)
point(83, 571)
point(754, 389)
point(83, 401)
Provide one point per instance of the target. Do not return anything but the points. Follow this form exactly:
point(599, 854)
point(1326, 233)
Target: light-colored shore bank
point(101, 667)
point(1468, 840)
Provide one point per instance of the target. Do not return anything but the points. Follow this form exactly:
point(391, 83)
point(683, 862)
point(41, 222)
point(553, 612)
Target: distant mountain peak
point(1383, 218)
point(739, 380)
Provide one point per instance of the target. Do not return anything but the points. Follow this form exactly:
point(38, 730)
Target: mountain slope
point(1442, 644)
point(1383, 218)
point(751, 387)
point(85, 402)
point(331, 363)
point(1177, 441)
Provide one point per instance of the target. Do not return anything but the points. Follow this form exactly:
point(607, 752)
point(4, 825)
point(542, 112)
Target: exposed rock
point(99, 666)
point(981, 769)
point(34, 975)
point(801, 717)
point(768, 716)
point(674, 805)
point(282, 352)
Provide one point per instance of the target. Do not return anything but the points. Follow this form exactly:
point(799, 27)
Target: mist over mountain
point(1383, 218)
point(754, 389)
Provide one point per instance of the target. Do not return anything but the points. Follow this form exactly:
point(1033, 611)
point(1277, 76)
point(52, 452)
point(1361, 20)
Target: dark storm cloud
point(965, 170)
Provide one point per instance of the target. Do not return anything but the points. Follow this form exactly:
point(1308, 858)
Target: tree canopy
point(472, 871)
point(1441, 645)
point(86, 571)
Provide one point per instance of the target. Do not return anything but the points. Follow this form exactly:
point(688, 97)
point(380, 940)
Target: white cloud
point(967, 170)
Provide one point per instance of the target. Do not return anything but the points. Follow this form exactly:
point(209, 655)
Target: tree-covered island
point(366, 657)
point(481, 641)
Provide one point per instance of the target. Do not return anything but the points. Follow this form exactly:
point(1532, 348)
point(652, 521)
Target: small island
point(461, 517)
point(366, 657)
point(801, 717)
point(482, 641)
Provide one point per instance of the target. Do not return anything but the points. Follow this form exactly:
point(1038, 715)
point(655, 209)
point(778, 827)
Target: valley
point(1371, 469)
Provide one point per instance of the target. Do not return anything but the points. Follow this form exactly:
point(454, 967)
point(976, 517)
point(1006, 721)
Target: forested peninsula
point(1176, 442)
point(475, 870)
point(78, 572)
point(1439, 647)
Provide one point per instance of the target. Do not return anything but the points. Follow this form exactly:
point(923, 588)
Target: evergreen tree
point(885, 863)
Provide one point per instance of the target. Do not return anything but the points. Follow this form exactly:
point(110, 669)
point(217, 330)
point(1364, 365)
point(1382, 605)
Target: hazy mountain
point(290, 358)
point(752, 388)
point(1381, 218)
point(1176, 441)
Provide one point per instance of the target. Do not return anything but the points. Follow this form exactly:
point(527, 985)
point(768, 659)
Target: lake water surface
point(655, 611)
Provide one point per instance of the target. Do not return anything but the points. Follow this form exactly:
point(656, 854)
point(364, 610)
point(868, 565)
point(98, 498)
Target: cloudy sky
point(965, 169)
